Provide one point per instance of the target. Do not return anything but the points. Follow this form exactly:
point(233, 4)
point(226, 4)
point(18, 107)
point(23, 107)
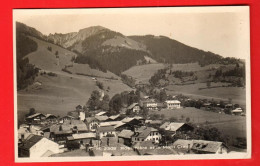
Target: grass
point(228, 124)
point(58, 95)
point(143, 73)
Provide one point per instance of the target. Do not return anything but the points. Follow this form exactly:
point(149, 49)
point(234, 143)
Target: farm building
point(37, 146)
point(105, 131)
point(173, 104)
point(200, 147)
point(125, 137)
point(174, 127)
point(82, 138)
point(150, 105)
point(92, 123)
point(36, 118)
point(134, 108)
point(145, 134)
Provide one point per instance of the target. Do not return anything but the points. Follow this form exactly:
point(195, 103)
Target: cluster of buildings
point(99, 134)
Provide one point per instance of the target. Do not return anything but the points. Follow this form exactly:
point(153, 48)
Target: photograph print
point(108, 84)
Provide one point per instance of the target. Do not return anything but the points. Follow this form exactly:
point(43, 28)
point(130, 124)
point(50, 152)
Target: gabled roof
point(30, 141)
point(207, 146)
point(132, 106)
point(171, 126)
point(114, 117)
point(110, 123)
point(101, 113)
point(50, 115)
point(182, 143)
point(144, 131)
point(82, 136)
point(105, 129)
point(126, 134)
point(90, 119)
point(101, 118)
point(172, 102)
point(34, 115)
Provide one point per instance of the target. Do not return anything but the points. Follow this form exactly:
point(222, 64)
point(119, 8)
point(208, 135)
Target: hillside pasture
point(231, 125)
point(143, 73)
point(237, 94)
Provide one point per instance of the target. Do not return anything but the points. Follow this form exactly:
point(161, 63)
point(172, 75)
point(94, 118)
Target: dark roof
point(35, 115)
point(132, 106)
point(144, 131)
point(126, 134)
point(30, 141)
point(207, 146)
point(105, 129)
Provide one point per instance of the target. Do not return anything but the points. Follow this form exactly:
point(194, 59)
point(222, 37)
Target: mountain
point(24, 29)
point(166, 50)
point(105, 49)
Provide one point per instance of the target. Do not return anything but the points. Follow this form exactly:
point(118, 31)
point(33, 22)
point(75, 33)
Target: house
point(173, 104)
point(82, 115)
point(92, 123)
point(150, 105)
point(67, 117)
point(59, 133)
point(134, 108)
point(36, 129)
point(200, 147)
point(35, 118)
point(209, 147)
point(132, 121)
point(82, 138)
point(37, 146)
point(124, 137)
point(174, 127)
point(146, 134)
point(51, 118)
point(105, 131)
point(237, 111)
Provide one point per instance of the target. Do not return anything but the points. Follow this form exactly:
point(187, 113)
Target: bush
point(49, 48)
point(52, 74)
point(100, 85)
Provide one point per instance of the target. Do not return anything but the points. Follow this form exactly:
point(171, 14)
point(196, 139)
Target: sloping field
point(143, 73)
point(47, 60)
point(62, 93)
point(228, 124)
point(237, 94)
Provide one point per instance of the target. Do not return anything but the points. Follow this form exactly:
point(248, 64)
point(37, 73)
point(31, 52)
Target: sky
point(222, 30)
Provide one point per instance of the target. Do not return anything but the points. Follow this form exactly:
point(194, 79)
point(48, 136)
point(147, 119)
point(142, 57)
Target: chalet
point(132, 121)
point(200, 147)
point(237, 111)
point(173, 104)
point(174, 127)
point(105, 131)
point(35, 118)
point(134, 108)
point(145, 134)
point(83, 138)
point(51, 118)
point(150, 105)
point(67, 117)
point(37, 146)
point(60, 132)
point(124, 137)
point(209, 147)
point(92, 123)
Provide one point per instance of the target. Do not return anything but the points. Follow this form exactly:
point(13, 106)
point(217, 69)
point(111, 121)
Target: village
point(131, 131)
